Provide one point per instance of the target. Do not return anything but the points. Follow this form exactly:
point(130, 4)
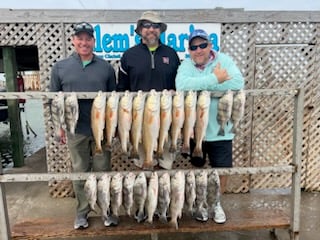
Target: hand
point(221, 74)
point(63, 139)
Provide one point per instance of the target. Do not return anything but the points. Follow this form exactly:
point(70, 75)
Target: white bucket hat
point(153, 17)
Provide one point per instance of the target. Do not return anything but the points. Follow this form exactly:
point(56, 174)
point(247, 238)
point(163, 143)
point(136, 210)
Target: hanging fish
point(152, 196)
point(57, 115)
point(71, 111)
point(165, 120)
point(98, 119)
point(177, 197)
point(177, 119)
point(239, 101)
point(151, 127)
point(203, 105)
point(103, 198)
point(111, 118)
point(164, 196)
point(190, 104)
point(125, 121)
point(190, 192)
point(127, 191)
point(224, 111)
point(137, 120)
point(213, 191)
point(116, 197)
point(90, 189)
point(140, 195)
point(201, 212)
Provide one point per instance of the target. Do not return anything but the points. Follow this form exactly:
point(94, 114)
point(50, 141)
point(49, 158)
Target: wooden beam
point(10, 69)
point(218, 15)
point(238, 220)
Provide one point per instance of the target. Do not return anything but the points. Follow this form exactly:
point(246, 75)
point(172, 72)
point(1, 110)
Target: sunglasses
point(83, 26)
point(149, 25)
point(201, 46)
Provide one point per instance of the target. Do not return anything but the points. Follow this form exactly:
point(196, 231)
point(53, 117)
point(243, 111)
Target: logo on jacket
point(165, 60)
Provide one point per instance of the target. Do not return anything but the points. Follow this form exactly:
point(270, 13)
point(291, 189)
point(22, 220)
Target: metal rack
point(294, 167)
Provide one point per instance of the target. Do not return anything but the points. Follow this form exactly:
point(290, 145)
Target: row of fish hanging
point(152, 119)
point(169, 197)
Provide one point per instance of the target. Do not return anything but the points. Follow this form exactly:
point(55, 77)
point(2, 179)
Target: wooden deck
point(237, 220)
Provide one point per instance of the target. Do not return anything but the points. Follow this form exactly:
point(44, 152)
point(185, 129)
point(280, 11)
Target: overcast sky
point(304, 5)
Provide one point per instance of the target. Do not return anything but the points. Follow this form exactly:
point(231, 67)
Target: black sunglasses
point(149, 25)
point(195, 47)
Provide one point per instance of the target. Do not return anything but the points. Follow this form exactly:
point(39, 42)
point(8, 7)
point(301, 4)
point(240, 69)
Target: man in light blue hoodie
point(213, 71)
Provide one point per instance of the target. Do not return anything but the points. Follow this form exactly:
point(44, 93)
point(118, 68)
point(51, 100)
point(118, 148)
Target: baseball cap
point(198, 33)
point(83, 27)
point(153, 17)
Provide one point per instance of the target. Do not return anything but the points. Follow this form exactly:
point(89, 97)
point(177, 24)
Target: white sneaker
point(219, 215)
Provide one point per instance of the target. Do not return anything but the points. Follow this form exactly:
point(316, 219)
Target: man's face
point(199, 51)
point(150, 33)
point(83, 44)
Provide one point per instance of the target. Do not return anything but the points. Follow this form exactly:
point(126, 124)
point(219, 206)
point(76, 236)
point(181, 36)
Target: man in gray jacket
point(83, 72)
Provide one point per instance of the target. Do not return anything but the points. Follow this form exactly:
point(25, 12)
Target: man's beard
point(151, 41)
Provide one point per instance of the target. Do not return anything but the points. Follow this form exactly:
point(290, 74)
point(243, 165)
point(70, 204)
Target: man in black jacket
point(150, 64)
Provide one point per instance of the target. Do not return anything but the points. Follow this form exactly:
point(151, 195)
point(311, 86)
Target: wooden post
point(10, 69)
point(5, 233)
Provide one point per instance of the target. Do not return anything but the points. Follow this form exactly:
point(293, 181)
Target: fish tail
point(163, 218)
point(174, 223)
point(173, 148)
point(147, 165)
point(197, 153)
point(140, 216)
point(221, 131)
point(185, 148)
point(108, 147)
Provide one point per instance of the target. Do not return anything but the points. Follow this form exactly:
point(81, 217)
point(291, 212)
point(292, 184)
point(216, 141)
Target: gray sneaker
point(81, 221)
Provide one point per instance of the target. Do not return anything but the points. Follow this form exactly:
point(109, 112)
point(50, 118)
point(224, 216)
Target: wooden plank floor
point(237, 220)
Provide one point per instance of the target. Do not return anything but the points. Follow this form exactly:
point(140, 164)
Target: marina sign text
point(113, 39)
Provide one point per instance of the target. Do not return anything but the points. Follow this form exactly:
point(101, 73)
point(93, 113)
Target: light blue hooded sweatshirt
point(190, 77)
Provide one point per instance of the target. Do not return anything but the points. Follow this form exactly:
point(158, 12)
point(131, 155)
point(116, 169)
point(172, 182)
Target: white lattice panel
point(265, 135)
